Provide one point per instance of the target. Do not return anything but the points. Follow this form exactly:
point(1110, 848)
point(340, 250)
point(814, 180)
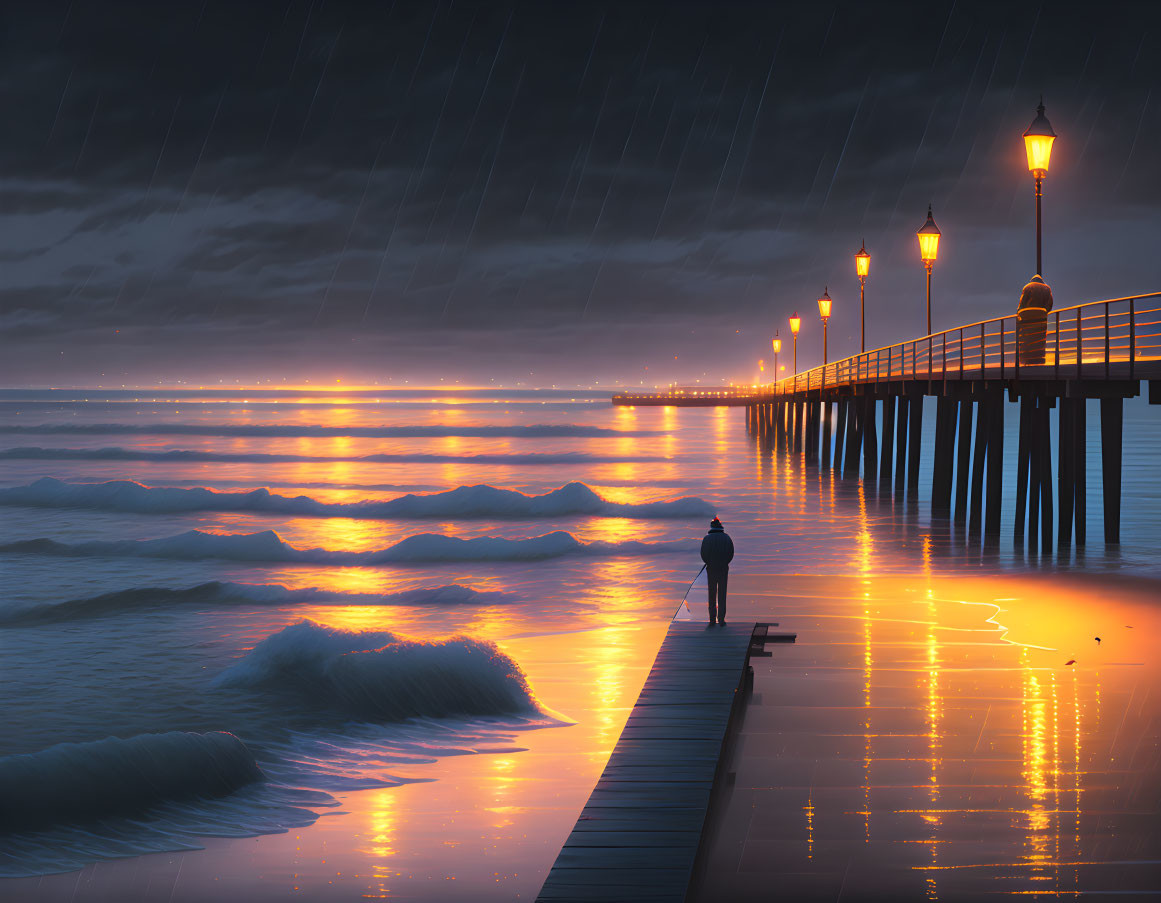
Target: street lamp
point(824, 311)
point(1038, 145)
point(862, 267)
point(795, 325)
point(928, 251)
point(777, 343)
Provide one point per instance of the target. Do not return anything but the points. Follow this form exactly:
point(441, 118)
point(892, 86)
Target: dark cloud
point(580, 189)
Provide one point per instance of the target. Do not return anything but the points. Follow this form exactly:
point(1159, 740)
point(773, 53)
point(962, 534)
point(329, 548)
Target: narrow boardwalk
point(638, 835)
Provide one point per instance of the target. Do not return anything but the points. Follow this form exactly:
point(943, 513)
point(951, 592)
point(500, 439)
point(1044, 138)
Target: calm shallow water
point(466, 807)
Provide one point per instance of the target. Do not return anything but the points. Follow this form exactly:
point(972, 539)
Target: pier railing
point(1097, 340)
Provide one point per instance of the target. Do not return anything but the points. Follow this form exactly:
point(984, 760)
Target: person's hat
point(715, 523)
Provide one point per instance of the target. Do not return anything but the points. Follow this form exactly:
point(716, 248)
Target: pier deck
point(638, 835)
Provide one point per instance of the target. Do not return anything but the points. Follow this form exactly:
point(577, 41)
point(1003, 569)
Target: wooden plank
point(644, 820)
point(638, 835)
point(628, 839)
point(629, 857)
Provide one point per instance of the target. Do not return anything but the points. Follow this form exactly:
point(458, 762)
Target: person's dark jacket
point(717, 549)
point(1036, 295)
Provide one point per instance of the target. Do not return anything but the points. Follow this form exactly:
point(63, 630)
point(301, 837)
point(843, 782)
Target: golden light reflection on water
point(868, 667)
point(1022, 790)
point(934, 712)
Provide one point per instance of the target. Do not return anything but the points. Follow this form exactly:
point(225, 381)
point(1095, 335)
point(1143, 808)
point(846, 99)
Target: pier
point(639, 834)
point(862, 416)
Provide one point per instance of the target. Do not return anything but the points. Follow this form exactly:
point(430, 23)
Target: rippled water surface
point(429, 714)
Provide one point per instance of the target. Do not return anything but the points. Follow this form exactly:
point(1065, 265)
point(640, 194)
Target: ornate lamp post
point(824, 311)
point(1038, 145)
point(795, 325)
point(928, 251)
point(862, 267)
point(777, 343)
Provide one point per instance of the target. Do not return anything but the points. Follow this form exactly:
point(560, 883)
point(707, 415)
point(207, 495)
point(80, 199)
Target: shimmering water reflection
point(948, 740)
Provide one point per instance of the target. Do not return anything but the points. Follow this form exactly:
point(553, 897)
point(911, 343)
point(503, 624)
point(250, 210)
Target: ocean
point(323, 644)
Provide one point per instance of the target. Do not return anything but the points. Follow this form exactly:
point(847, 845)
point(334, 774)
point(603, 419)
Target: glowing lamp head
point(863, 262)
point(929, 239)
point(824, 305)
point(1038, 143)
point(795, 323)
point(761, 365)
point(777, 343)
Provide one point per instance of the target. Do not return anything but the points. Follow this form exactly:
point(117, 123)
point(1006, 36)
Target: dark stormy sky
point(554, 192)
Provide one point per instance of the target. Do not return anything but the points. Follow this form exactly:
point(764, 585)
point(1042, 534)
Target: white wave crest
point(572, 499)
point(375, 675)
point(269, 546)
point(466, 501)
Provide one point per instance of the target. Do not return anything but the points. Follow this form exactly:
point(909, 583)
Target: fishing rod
point(684, 598)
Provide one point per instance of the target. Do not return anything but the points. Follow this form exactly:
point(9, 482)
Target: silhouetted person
point(1032, 320)
point(717, 551)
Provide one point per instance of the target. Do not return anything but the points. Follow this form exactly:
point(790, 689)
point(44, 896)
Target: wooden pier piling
point(901, 432)
point(1112, 424)
point(888, 438)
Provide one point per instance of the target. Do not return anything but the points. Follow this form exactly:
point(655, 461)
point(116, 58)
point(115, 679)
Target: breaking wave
point(78, 781)
point(220, 594)
point(418, 431)
point(269, 546)
point(375, 675)
point(464, 502)
point(117, 453)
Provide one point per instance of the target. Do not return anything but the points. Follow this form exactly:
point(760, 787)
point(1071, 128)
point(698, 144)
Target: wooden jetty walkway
point(862, 416)
point(638, 836)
